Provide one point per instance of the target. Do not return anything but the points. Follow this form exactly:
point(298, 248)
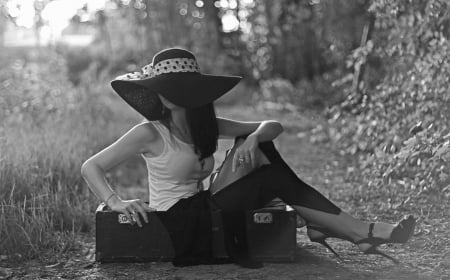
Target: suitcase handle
point(263, 218)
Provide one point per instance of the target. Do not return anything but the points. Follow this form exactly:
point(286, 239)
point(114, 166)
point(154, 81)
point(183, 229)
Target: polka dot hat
point(174, 74)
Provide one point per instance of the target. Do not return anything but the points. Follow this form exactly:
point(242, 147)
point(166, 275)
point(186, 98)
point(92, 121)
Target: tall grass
point(48, 128)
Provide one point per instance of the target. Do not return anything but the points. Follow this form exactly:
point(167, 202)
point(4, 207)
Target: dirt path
point(316, 165)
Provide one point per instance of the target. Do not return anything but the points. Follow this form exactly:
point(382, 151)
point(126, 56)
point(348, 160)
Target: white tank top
point(176, 173)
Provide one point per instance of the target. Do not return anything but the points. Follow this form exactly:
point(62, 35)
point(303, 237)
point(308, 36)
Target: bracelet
point(109, 197)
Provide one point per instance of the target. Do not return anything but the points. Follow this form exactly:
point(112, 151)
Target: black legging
point(267, 182)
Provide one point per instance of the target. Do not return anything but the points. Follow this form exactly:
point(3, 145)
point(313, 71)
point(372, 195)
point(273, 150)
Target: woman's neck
point(179, 123)
point(179, 119)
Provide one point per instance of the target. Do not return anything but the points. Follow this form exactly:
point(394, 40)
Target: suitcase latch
point(123, 219)
point(262, 218)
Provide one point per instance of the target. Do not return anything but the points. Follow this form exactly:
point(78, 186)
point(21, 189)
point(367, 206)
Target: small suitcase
point(271, 234)
point(119, 241)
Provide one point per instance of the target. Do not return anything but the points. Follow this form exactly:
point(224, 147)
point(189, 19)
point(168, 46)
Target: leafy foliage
point(399, 128)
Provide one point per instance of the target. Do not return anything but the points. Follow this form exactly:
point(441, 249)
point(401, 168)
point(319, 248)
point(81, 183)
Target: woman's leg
point(226, 176)
point(251, 188)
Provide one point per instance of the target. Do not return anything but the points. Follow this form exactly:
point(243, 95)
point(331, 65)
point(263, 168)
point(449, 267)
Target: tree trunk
point(359, 71)
point(212, 14)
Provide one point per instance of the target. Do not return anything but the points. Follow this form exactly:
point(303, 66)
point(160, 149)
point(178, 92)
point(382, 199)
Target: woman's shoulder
point(146, 130)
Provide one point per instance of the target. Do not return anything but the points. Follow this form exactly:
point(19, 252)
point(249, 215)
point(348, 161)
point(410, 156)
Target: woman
point(178, 142)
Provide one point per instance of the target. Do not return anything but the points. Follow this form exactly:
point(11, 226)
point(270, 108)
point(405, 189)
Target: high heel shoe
point(320, 234)
point(400, 234)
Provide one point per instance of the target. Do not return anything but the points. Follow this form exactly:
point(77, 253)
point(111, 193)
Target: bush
point(400, 129)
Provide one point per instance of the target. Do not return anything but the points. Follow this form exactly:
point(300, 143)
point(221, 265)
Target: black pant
point(267, 182)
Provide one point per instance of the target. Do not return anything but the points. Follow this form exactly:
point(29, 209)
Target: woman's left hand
point(246, 152)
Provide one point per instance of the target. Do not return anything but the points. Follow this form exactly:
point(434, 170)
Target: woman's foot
point(399, 233)
point(373, 235)
point(379, 230)
point(382, 230)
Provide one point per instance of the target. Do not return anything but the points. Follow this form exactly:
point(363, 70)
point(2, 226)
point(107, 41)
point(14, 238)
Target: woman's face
point(169, 105)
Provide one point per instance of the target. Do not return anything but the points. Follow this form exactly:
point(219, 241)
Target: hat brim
point(187, 90)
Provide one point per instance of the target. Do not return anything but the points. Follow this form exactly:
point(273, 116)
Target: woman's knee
point(261, 158)
point(226, 175)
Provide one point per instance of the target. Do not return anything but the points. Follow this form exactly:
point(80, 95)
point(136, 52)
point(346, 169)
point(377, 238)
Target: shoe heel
point(375, 251)
point(324, 243)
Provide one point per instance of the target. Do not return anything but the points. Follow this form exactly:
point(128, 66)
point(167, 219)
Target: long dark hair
point(202, 124)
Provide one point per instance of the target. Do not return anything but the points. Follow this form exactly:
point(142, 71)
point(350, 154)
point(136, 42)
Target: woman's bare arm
point(135, 141)
point(264, 130)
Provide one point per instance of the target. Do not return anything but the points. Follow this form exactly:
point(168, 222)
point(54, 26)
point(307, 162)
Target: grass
point(42, 198)
point(44, 201)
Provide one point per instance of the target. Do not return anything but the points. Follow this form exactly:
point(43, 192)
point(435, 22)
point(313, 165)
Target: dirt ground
point(426, 256)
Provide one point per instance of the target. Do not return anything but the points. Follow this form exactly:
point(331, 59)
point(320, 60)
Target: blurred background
point(376, 71)
point(299, 46)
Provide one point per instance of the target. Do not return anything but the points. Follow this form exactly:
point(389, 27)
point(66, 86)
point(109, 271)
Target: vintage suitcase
point(271, 234)
point(119, 241)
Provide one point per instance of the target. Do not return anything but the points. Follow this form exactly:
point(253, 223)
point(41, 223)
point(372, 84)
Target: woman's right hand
point(131, 208)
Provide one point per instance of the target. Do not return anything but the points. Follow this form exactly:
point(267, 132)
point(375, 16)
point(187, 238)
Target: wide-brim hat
point(174, 73)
